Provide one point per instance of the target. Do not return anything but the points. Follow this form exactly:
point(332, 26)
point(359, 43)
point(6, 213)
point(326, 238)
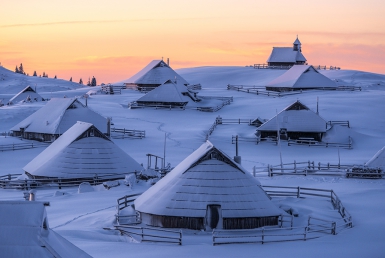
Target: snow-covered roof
point(207, 177)
point(156, 72)
point(169, 91)
point(58, 115)
point(25, 233)
point(82, 151)
point(285, 55)
point(24, 94)
point(297, 42)
point(296, 118)
point(302, 77)
point(378, 160)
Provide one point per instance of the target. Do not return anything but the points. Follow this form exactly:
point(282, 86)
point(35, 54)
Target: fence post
point(263, 234)
point(9, 177)
point(142, 235)
point(254, 171)
point(298, 192)
point(295, 166)
point(319, 165)
point(304, 235)
point(333, 228)
point(180, 236)
point(308, 164)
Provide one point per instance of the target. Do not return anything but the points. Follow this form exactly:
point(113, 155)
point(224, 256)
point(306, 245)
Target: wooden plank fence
point(314, 143)
point(22, 146)
point(315, 228)
point(286, 67)
point(27, 184)
point(127, 133)
point(146, 234)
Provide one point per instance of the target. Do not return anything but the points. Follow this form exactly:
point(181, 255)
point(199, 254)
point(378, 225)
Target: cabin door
point(214, 217)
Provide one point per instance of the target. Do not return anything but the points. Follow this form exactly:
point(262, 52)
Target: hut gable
point(301, 77)
point(57, 116)
point(82, 151)
point(27, 94)
point(296, 118)
point(206, 178)
point(378, 160)
point(153, 75)
point(25, 233)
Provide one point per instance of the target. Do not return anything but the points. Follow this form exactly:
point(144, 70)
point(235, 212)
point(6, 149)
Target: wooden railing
point(316, 227)
point(343, 123)
point(22, 146)
point(146, 234)
point(124, 202)
point(127, 133)
point(314, 143)
point(27, 184)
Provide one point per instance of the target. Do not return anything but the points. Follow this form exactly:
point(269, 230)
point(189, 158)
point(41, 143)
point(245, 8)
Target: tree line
point(20, 69)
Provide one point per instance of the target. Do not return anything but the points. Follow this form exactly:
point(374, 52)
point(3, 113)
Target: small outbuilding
point(207, 190)
point(25, 232)
point(301, 77)
point(56, 117)
point(294, 122)
point(152, 76)
point(169, 94)
point(287, 56)
point(82, 151)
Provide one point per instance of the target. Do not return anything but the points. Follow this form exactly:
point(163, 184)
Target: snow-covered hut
point(294, 122)
point(170, 93)
point(287, 56)
point(207, 190)
point(301, 77)
point(27, 95)
point(56, 117)
point(152, 76)
point(82, 152)
point(378, 160)
point(25, 233)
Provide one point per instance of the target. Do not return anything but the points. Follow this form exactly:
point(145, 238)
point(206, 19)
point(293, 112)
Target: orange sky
point(113, 39)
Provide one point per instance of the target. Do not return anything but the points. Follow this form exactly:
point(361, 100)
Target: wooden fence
point(22, 146)
point(27, 184)
point(286, 67)
point(313, 143)
point(315, 228)
point(145, 234)
point(127, 133)
point(194, 87)
point(124, 202)
point(111, 89)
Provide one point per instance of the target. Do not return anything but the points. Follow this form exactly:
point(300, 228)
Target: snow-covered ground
point(81, 217)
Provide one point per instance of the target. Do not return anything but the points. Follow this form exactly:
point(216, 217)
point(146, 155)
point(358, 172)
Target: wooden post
point(295, 166)
point(263, 234)
point(298, 192)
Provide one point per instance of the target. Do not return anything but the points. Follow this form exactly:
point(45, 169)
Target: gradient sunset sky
point(112, 40)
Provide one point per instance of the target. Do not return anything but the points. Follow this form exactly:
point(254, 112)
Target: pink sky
point(115, 39)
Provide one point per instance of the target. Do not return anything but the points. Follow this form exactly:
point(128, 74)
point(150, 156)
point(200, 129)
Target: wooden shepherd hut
point(287, 56)
point(152, 76)
point(56, 117)
point(170, 94)
point(301, 77)
point(26, 95)
point(294, 122)
point(207, 190)
point(25, 232)
point(82, 152)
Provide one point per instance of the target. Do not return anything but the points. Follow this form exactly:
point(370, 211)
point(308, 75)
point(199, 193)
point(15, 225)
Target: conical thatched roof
point(58, 115)
point(82, 151)
point(156, 72)
point(301, 77)
point(25, 233)
point(207, 177)
point(295, 118)
point(169, 92)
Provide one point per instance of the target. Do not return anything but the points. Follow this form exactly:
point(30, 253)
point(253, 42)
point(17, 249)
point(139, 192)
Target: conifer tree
point(81, 81)
point(71, 79)
point(43, 74)
point(89, 82)
point(93, 82)
point(34, 73)
point(16, 69)
point(21, 69)
point(55, 77)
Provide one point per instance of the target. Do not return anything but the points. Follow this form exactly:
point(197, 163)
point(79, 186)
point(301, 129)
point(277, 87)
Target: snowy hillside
point(81, 217)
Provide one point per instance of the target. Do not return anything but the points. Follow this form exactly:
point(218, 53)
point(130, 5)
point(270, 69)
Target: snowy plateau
point(81, 218)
